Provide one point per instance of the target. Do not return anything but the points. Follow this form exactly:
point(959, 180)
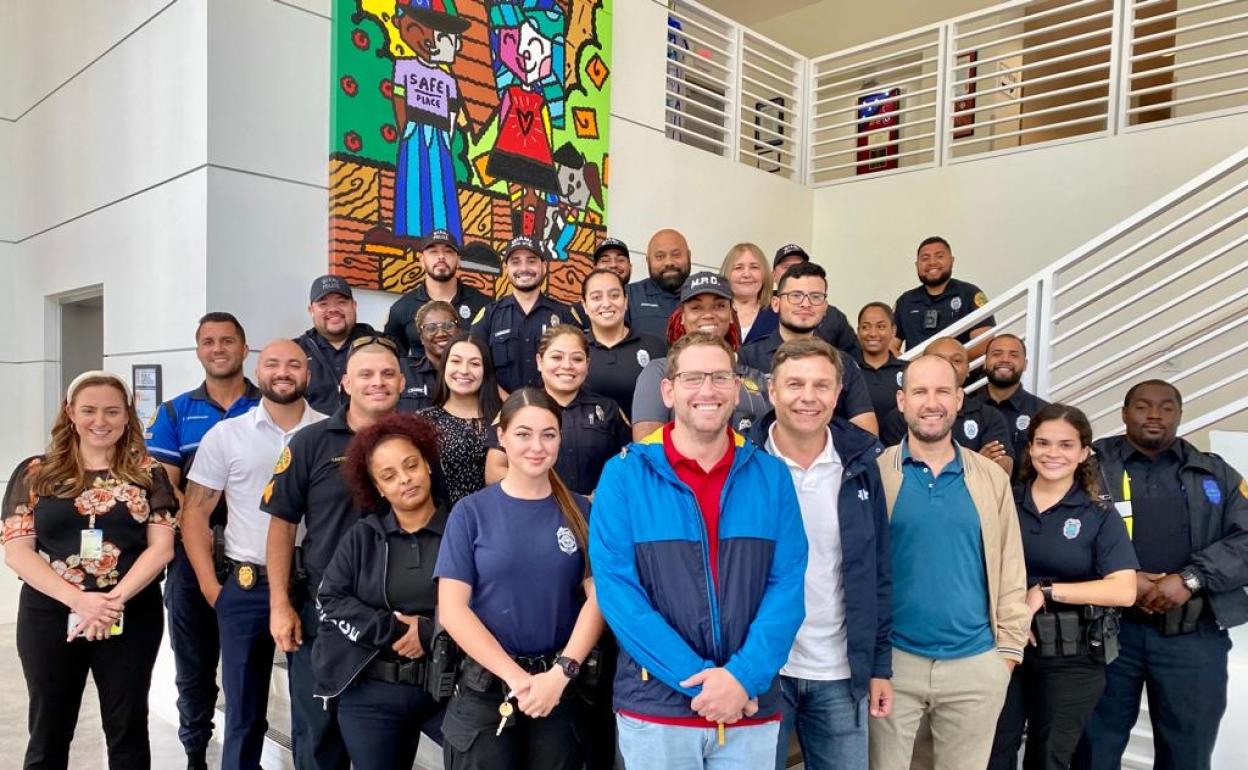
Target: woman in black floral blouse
point(88, 526)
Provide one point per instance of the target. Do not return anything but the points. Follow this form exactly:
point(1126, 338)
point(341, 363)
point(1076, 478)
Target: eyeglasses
point(435, 327)
point(373, 339)
point(816, 298)
point(694, 380)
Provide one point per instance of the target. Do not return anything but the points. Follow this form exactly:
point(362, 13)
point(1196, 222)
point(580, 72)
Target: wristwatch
point(571, 668)
point(1190, 579)
point(1046, 588)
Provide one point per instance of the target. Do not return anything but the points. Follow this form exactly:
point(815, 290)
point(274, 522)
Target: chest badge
point(643, 358)
point(1070, 530)
point(554, 319)
point(566, 540)
point(1023, 422)
point(601, 415)
point(900, 375)
point(1212, 493)
point(970, 428)
point(246, 577)
point(464, 312)
point(955, 304)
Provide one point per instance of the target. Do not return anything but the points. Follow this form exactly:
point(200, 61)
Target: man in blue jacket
point(698, 555)
point(841, 662)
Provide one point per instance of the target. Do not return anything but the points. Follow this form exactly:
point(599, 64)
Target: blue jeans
point(1186, 681)
point(381, 722)
point(193, 638)
point(318, 743)
point(246, 667)
point(831, 725)
point(651, 746)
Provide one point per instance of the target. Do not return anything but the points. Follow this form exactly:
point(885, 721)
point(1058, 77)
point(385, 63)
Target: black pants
point(381, 723)
point(1055, 697)
point(56, 674)
point(551, 743)
point(601, 747)
point(317, 739)
point(193, 636)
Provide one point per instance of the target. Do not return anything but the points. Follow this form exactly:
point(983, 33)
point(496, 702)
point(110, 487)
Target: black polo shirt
point(882, 384)
point(513, 336)
point(1161, 524)
point(613, 371)
point(410, 561)
point(1077, 539)
point(307, 487)
point(326, 365)
point(401, 322)
point(420, 377)
point(976, 426)
point(1017, 410)
point(592, 431)
point(921, 315)
point(836, 331)
point(649, 307)
point(854, 400)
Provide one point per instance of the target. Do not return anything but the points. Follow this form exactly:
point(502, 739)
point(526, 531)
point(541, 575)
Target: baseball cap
point(790, 250)
point(444, 237)
point(330, 284)
point(705, 282)
point(609, 243)
point(523, 242)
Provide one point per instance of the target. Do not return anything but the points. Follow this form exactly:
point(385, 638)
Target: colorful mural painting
point(487, 118)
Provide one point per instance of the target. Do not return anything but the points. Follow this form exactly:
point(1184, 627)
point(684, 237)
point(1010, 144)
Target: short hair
point(803, 270)
point(418, 430)
point(220, 317)
point(888, 311)
point(1008, 336)
point(430, 307)
point(929, 240)
point(764, 293)
point(602, 271)
point(695, 339)
point(808, 347)
point(905, 373)
point(1178, 397)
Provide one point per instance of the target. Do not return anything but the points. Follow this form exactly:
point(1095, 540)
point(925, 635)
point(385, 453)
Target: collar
point(651, 286)
point(1017, 399)
point(261, 416)
point(338, 421)
point(829, 454)
point(436, 524)
point(892, 362)
point(675, 458)
point(954, 465)
point(631, 336)
point(250, 393)
point(419, 365)
point(1174, 451)
point(422, 291)
point(543, 300)
point(1075, 497)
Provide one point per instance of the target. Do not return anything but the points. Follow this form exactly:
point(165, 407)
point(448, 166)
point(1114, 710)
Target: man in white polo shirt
point(237, 458)
point(841, 662)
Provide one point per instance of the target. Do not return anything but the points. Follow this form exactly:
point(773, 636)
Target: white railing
point(1011, 77)
point(1163, 294)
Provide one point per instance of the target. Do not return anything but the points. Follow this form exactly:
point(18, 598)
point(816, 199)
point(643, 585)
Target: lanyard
point(1124, 507)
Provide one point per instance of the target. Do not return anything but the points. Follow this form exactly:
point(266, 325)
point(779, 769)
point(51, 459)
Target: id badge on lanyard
point(92, 545)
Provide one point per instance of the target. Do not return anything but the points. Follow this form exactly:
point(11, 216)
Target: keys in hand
point(506, 711)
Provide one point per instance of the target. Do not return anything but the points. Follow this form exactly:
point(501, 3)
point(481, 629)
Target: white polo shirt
point(821, 649)
point(237, 456)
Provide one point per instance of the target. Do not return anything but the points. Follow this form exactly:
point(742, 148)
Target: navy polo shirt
point(940, 588)
point(326, 365)
point(1161, 525)
point(1075, 540)
point(921, 315)
point(523, 563)
point(180, 424)
point(854, 399)
point(513, 336)
point(649, 307)
point(882, 384)
point(401, 322)
point(613, 371)
point(420, 377)
point(1017, 410)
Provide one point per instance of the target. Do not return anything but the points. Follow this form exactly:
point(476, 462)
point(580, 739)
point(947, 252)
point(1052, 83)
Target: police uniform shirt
point(401, 322)
point(649, 307)
point(174, 435)
point(976, 426)
point(921, 315)
point(752, 403)
point(1161, 525)
point(613, 371)
point(854, 399)
point(307, 487)
point(513, 336)
point(1075, 540)
point(882, 384)
point(411, 557)
point(593, 430)
point(237, 458)
point(1017, 410)
point(420, 377)
point(326, 365)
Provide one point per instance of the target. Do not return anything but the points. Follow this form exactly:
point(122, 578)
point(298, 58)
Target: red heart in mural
point(349, 86)
point(387, 88)
point(526, 120)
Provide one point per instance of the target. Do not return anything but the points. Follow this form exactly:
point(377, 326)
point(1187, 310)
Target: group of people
point(660, 529)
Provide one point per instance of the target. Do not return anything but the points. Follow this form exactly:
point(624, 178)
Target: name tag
point(92, 544)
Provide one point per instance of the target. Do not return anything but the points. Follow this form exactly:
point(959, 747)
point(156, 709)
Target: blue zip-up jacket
point(866, 561)
point(651, 564)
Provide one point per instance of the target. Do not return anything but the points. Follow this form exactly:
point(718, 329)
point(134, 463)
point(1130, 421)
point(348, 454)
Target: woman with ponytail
point(516, 594)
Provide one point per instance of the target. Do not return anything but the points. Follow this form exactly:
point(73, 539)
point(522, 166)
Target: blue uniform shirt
point(523, 563)
point(649, 307)
point(513, 336)
point(1075, 540)
point(940, 588)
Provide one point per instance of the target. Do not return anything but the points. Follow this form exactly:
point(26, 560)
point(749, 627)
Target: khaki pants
point(961, 700)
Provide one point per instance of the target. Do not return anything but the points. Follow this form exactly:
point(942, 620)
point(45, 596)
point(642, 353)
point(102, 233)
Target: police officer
point(439, 257)
point(802, 301)
point(1080, 568)
point(327, 343)
point(705, 306)
point(612, 254)
point(978, 427)
point(1004, 364)
point(235, 460)
point(1187, 514)
point(939, 300)
point(617, 352)
point(172, 439)
point(593, 428)
point(880, 368)
point(308, 488)
point(652, 300)
point(513, 325)
point(437, 323)
point(834, 327)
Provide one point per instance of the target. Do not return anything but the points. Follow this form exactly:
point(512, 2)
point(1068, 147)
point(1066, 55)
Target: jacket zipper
point(385, 576)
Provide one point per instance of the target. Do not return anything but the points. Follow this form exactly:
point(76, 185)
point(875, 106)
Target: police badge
point(970, 428)
point(956, 303)
point(246, 577)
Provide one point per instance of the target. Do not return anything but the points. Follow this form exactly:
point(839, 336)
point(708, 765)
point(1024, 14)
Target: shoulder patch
point(1243, 488)
point(268, 492)
point(750, 384)
point(575, 315)
point(981, 299)
point(283, 462)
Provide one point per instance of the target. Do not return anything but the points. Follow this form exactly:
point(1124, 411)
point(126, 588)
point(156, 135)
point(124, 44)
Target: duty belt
point(398, 671)
point(1183, 619)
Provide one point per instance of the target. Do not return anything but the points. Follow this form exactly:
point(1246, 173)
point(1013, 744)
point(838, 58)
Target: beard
point(291, 397)
point(441, 274)
point(798, 328)
point(526, 283)
point(938, 280)
point(917, 428)
point(1004, 382)
point(671, 280)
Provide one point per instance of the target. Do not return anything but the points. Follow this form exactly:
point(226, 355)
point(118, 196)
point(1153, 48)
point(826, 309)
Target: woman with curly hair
point(377, 597)
point(88, 527)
